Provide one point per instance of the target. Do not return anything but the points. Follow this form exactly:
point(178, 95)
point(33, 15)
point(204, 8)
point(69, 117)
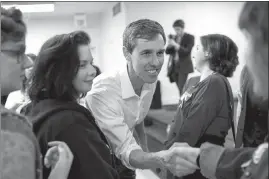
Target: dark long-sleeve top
point(73, 124)
point(204, 113)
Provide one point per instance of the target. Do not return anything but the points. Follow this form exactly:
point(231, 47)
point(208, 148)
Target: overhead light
point(32, 8)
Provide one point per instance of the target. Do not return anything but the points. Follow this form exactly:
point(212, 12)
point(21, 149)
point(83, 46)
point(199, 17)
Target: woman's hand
point(59, 157)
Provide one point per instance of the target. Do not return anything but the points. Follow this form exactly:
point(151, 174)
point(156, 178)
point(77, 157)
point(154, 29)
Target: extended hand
point(180, 159)
point(58, 156)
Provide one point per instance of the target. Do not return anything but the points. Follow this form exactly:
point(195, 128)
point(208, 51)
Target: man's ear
point(126, 53)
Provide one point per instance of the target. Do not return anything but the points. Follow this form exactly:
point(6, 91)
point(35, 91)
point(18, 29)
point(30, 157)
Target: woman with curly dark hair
point(205, 112)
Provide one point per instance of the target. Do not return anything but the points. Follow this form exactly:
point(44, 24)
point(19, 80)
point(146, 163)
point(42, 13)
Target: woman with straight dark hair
point(62, 74)
point(205, 112)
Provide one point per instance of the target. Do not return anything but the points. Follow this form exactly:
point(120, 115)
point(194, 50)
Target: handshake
point(180, 159)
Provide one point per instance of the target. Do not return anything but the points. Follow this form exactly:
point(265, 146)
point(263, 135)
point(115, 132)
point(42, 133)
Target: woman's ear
point(126, 54)
point(207, 54)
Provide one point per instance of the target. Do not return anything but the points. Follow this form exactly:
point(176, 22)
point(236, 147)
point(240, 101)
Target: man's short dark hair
point(179, 23)
point(144, 29)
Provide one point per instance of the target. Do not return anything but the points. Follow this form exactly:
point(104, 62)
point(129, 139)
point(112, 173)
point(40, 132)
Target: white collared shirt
point(117, 110)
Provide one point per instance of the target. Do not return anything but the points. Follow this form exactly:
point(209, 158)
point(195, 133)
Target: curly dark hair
point(13, 31)
point(143, 28)
point(56, 66)
point(223, 53)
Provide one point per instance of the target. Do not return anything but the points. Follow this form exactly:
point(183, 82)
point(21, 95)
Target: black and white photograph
point(134, 90)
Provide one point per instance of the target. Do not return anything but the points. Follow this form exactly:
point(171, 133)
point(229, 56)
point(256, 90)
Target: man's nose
point(155, 60)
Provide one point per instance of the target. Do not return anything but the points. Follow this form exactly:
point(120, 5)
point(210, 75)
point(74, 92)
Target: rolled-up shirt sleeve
point(110, 118)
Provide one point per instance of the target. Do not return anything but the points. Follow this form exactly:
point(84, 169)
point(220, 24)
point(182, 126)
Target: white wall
point(200, 18)
point(39, 30)
point(111, 39)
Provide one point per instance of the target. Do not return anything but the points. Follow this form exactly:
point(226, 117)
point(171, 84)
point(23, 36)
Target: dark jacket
point(245, 85)
point(217, 162)
point(184, 64)
point(73, 124)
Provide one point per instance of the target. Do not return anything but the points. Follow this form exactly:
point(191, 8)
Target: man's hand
point(180, 159)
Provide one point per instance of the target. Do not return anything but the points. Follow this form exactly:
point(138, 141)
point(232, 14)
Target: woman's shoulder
point(213, 84)
point(73, 113)
point(217, 79)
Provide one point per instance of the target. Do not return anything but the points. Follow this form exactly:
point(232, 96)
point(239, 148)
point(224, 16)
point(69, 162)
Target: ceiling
point(68, 8)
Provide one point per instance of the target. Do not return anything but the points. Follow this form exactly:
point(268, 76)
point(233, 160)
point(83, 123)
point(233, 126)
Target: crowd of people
point(48, 132)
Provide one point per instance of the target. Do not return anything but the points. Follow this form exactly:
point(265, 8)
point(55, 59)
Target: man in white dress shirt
point(121, 100)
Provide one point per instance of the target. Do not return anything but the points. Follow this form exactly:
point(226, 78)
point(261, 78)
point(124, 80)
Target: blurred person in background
point(17, 99)
point(179, 48)
point(20, 152)
point(252, 125)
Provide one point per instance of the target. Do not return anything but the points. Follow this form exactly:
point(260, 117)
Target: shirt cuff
point(125, 155)
point(209, 159)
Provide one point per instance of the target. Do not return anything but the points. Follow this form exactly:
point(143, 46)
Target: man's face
point(147, 58)
point(179, 31)
point(11, 72)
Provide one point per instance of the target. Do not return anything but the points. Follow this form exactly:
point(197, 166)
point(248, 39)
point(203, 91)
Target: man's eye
point(146, 53)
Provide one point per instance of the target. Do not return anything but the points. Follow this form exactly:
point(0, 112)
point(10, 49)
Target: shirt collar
point(127, 89)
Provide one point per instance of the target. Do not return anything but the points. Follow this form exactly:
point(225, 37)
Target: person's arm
point(110, 119)
point(186, 50)
point(88, 148)
point(202, 111)
point(140, 129)
point(220, 163)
